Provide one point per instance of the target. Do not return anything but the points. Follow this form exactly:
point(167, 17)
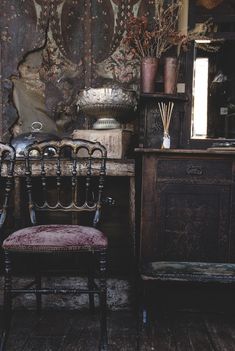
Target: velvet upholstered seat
point(48, 238)
point(63, 184)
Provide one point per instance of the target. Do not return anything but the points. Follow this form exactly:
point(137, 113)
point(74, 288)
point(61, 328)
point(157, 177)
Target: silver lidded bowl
point(107, 105)
point(25, 139)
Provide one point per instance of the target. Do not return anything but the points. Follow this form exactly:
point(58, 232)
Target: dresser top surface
point(210, 151)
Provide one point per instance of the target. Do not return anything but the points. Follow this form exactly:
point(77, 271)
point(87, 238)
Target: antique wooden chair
point(67, 178)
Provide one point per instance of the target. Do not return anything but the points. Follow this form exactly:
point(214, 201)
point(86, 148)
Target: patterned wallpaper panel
point(52, 48)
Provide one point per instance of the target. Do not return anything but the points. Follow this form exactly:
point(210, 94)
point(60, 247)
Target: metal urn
point(108, 105)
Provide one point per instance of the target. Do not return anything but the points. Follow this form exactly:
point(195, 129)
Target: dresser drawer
point(200, 168)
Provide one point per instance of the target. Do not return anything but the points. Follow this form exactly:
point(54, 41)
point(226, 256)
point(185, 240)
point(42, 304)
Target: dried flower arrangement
point(148, 41)
point(153, 42)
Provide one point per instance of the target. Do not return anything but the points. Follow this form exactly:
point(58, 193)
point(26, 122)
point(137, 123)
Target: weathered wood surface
point(181, 152)
point(69, 331)
point(114, 168)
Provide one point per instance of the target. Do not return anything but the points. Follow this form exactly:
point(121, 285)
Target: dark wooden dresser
point(187, 205)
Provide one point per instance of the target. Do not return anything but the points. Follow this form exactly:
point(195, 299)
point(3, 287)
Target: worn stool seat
point(48, 238)
point(189, 272)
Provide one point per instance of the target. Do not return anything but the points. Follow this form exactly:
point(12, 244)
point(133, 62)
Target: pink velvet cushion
point(47, 238)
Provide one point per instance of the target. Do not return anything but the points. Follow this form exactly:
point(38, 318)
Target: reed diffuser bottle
point(166, 113)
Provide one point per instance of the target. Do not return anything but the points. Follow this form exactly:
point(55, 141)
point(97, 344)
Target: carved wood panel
point(193, 222)
point(151, 129)
point(187, 215)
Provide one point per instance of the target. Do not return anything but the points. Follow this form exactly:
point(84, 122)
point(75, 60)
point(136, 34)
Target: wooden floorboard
point(43, 344)
point(190, 332)
point(222, 332)
point(79, 331)
point(158, 335)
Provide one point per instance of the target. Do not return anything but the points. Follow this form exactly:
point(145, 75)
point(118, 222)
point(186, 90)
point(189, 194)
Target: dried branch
point(164, 34)
point(153, 42)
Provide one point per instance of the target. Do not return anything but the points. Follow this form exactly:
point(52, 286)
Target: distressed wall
point(52, 48)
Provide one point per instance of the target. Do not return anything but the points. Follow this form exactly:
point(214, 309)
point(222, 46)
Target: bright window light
point(202, 41)
point(200, 99)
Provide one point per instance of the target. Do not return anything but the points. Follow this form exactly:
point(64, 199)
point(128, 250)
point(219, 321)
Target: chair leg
point(148, 311)
point(91, 285)
point(103, 302)
point(7, 311)
point(38, 280)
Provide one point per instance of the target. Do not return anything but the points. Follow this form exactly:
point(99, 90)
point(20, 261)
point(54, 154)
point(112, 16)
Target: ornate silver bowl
point(107, 105)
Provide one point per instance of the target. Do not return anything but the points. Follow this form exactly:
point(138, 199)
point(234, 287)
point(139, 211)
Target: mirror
point(213, 91)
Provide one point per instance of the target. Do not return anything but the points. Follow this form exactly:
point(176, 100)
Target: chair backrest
point(70, 175)
point(7, 161)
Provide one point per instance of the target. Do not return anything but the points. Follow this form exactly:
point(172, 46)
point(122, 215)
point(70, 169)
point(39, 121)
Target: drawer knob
point(194, 170)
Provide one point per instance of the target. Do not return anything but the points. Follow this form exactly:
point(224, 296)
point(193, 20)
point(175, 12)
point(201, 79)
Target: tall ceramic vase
point(170, 75)
point(149, 67)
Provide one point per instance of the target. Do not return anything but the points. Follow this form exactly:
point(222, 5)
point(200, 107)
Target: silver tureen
point(107, 105)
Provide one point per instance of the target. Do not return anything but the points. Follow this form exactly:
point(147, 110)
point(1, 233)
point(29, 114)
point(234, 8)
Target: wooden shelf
point(163, 96)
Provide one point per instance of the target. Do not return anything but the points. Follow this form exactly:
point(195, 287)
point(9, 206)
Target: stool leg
point(146, 315)
point(141, 311)
point(103, 302)
point(7, 312)
point(148, 312)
